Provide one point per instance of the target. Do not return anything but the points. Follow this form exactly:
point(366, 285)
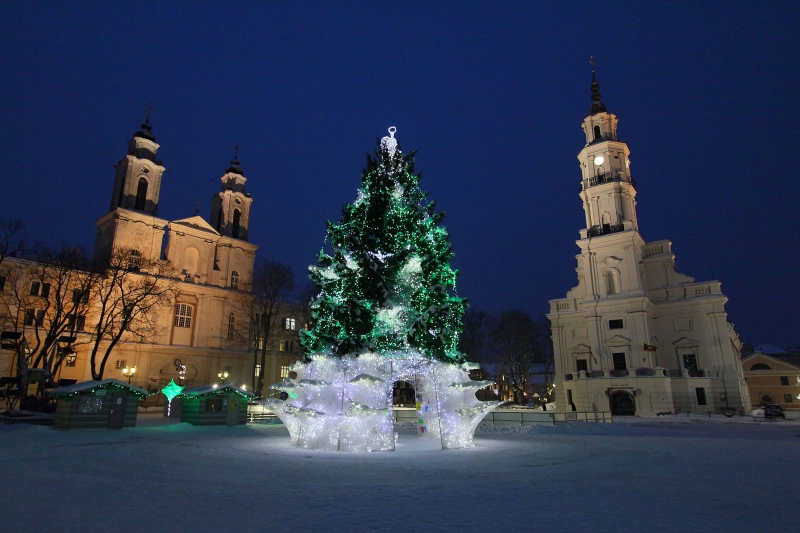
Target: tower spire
point(597, 105)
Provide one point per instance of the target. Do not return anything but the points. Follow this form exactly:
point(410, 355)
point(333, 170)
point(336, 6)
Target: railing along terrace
point(606, 177)
point(618, 373)
point(595, 374)
point(645, 372)
point(567, 377)
point(674, 374)
point(697, 373)
point(596, 231)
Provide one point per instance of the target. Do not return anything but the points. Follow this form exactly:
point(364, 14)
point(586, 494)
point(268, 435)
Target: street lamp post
point(223, 375)
point(129, 372)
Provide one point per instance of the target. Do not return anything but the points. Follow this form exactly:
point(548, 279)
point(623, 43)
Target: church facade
point(635, 337)
point(205, 329)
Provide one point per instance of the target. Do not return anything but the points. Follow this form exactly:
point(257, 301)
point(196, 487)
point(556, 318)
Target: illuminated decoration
point(171, 391)
point(599, 160)
point(387, 311)
point(106, 384)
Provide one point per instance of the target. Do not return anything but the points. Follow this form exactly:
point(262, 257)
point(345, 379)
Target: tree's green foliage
point(388, 287)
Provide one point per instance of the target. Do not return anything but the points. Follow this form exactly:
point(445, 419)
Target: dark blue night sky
point(492, 94)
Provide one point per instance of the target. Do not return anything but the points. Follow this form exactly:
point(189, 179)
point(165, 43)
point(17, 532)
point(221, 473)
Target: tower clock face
point(145, 170)
point(599, 160)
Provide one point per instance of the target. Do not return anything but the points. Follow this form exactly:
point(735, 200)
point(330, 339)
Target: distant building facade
point(205, 331)
point(772, 379)
point(635, 337)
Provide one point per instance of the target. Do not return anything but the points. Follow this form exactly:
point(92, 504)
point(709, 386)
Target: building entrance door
point(116, 417)
point(233, 410)
point(622, 404)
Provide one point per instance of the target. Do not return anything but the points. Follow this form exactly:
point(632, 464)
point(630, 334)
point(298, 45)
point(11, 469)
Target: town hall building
point(635, 337)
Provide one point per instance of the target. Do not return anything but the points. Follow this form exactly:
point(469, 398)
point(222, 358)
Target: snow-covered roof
point(768, 349)
point(84, 386)
point(210, 389)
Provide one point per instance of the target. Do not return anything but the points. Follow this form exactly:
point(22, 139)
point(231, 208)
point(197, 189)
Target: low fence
point(498, 418)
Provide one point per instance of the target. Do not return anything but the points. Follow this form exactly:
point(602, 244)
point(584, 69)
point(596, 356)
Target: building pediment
point(580, 348)
point(196, 222)
point(686, 342)
point(772, 362)
point(618, 340)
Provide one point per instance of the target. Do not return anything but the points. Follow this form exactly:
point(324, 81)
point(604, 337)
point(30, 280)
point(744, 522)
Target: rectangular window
point(615, 324)
point(40, 318)
point(569, 396)
point(183, 316)
point(80, 296)
point(581, 364)
point(700, 392)
point(257, 371)
point(214, 405)
point(285, 371)
point(120, 364)
point(35, 286)
point(690, 361)
point(45, 290)
point(2, 283)
point(784, 380)
point(231, 320)
point(30, 315)
point(80, 322)
point(89, 403)
point(619, 361)
point(70, 360)
point(289, 323)
point(787, 398)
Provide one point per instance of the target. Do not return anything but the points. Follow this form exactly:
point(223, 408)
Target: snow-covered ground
point(641, 474)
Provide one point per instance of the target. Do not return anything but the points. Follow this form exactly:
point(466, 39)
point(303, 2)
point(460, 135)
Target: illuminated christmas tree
point(386, 312)
point(389, 287)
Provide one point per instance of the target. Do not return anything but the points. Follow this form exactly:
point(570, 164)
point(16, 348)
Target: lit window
point(285, 371)
point(231, 320)
point(286, 346)
point(257, 371)
point(120, 364)
point(183, 316)
point(289, 323)
point(70, 360)
point(234, 280)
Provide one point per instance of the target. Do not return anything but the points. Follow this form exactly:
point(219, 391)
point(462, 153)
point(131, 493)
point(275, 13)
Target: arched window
point(760, 366)
point(141, 195)
point(234, 280)
point(231, 320)
point(597, 134)
point(183, 316)
point(612, 282)
point(219, 219)
point(236, 216)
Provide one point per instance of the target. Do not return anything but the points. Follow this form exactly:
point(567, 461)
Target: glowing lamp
point(599, 160)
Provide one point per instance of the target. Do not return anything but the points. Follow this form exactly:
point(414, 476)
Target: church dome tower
point(230, 208)
point(138, 176)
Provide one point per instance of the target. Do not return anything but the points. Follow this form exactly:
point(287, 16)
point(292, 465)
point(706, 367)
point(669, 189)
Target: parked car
point(773, 410)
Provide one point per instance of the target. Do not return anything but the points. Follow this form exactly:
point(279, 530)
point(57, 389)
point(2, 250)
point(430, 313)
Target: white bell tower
point(230, 208)
point(608, 191)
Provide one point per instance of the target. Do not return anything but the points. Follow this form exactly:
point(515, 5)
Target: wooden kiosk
point(109, 403)
point(214, 406)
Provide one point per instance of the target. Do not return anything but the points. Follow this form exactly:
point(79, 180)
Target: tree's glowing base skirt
point(346, 403)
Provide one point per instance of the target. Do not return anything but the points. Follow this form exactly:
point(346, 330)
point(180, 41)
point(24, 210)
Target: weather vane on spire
point(147, 113)
point(592, 62)
point(390, 143)
point(236, 153)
